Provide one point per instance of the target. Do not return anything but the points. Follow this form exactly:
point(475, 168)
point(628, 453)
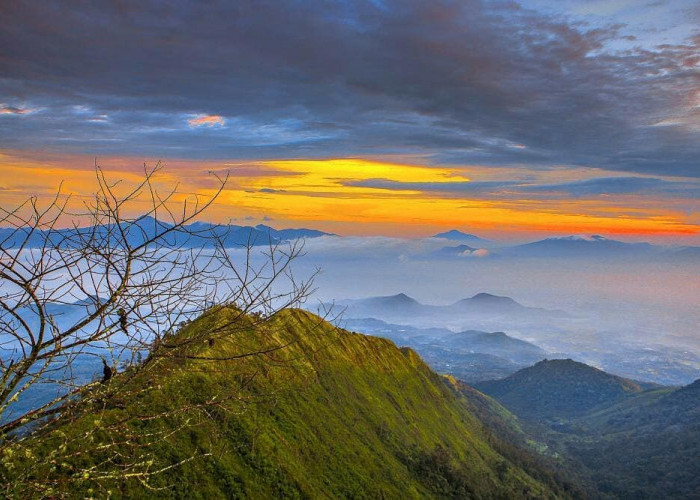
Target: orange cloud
point(207, 121)
point(13, 110)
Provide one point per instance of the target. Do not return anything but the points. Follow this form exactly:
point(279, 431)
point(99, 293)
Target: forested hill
point(331, 414)
point(628, 439)
point(559, 388)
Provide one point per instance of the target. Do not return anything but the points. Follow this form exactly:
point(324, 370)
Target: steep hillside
point(558, 388)
point(330, 414)
point(648, 412)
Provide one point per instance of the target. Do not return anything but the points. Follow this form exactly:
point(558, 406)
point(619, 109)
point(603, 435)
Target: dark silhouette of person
point(211, 342)
point(107, 371)
point(122, 319)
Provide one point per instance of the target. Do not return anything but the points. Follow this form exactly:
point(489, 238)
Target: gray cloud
point(461, 82)
point(621, 185)
point(507, 189)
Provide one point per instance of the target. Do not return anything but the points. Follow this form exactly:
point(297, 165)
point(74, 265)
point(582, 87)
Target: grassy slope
point(334, 414)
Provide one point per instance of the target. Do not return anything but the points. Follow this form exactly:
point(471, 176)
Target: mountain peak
point(593, 245)
point(457, 235)
point(148, 221)
point(402, 298)
point(559, 388)
point(490, 298)
point(486, 302)
point(398, 300)
point(580, 237)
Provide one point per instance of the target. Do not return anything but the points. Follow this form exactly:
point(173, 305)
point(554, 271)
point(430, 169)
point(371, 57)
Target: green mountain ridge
point(332, 414)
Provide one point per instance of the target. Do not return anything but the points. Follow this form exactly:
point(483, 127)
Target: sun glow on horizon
point(358, 196)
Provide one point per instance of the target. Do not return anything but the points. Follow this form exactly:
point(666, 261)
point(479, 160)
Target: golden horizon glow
point(321, 194)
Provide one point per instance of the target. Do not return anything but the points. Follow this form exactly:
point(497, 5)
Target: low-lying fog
point(617, 306)
point(635, 317)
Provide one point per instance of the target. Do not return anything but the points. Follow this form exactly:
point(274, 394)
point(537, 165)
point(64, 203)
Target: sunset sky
point(511, 120)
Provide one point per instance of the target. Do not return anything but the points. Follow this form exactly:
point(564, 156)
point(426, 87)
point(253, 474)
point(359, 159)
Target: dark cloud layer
point(460, 81)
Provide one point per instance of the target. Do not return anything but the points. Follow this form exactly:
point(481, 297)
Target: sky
point(509, 119)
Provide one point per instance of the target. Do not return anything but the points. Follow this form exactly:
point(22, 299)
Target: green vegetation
point(517, 441)
point(331, 414)
point(648, 447)
point(611, 435)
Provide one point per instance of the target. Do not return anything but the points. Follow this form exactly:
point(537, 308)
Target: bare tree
point(116, 287)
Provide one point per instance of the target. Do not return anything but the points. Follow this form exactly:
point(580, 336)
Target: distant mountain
point(293, 233)
point(454, 251)
point(689, 253)
point(498, 344)
point(373, 306)
point(194, 235)
point(485, 302)
point(580, 246)
point(559, 388)
point(456, 235)
point(488, 304)
point(401, 308)
point(470, 355)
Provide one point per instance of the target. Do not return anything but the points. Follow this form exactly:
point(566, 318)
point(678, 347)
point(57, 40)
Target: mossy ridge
point(332, 414)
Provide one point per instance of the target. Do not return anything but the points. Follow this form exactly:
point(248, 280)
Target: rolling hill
point(559, 388)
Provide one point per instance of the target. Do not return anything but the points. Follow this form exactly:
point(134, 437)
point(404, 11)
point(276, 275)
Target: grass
point(331, 415)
